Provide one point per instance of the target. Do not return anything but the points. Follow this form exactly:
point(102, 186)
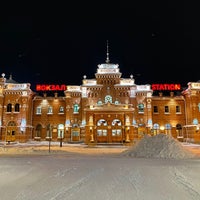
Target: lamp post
point(49, 144)
point(61, 139)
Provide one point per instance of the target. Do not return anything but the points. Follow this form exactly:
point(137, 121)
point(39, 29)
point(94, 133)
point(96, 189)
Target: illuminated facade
point(107, 109)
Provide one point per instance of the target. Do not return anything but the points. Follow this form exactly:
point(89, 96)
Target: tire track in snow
point(182, 181)
point(62, 173)
point(46, 181)
point(119, 186)
point(67, 192)
point(135, 179)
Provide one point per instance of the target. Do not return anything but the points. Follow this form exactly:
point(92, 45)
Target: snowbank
point(159, 146)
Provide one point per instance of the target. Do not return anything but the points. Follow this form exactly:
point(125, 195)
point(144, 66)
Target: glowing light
point(52, 87)
point(166, 86)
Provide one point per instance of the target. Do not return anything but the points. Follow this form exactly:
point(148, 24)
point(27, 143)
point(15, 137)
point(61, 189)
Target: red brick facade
point(105, 109)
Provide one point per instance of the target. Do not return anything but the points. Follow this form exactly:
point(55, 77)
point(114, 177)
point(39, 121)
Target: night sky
point(157, 42)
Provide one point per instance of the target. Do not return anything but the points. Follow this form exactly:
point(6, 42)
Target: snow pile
point(159, 146)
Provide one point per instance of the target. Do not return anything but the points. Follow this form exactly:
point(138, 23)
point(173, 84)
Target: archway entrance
point(11, 132)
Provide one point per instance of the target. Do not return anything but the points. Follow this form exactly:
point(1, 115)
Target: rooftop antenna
point(107, 58)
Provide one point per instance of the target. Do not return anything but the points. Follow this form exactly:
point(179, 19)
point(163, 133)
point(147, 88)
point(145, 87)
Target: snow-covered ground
point(30, 171)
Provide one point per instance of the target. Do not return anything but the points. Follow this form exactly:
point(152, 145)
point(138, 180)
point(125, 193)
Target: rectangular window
point(39, 110)
point(166, 109)
point(178, 109)
point(49, 134)
point(116, 132)
point(50, 110)
point(101, 132)
point(61, 109)
point(155, 109)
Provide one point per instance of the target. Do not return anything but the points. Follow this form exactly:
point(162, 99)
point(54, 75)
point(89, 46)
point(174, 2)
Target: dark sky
point(157, 42)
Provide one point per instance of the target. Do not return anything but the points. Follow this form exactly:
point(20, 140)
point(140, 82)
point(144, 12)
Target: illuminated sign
point(166, 86)
point(44, 87)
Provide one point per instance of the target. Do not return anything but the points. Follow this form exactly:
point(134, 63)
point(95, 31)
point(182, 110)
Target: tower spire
point(107, 54)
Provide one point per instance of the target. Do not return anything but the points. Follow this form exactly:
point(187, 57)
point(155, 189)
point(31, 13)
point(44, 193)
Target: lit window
point(141, 108)
point(168, 128)
point(116, 132)
point(195, 121)
point(156, 129)
point(108, 98)
point(102, 122)
point(99, 102)
point(76, 108)
point(116, 122)
point(61, 109)
point(38, 110)
point(50, 110)
point(101, 132)
point(116, 102)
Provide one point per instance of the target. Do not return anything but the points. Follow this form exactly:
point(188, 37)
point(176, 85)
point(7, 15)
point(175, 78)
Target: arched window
point(116, 102)
point(116, 122)
point(108, 98)
point(99, 102)
point(195, 121)
point(76, 108)
point(102, 122)
point(156, 129)
point(179, 131)
point(178, 126)
point(168, 128)
point(9, 107)
point(61, 131)
point(61, 109)
point(141, 108)
point(17, 107)
point(11, 123)
point(38, 130)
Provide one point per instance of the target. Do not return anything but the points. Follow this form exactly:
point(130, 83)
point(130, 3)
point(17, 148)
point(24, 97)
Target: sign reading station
point(166, 86)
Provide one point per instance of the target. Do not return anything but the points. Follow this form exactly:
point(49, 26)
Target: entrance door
point(116, 135)
point(116, 132)
point(75, 134)
point(102, 135)
point(11, 130)
point(10, 135)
